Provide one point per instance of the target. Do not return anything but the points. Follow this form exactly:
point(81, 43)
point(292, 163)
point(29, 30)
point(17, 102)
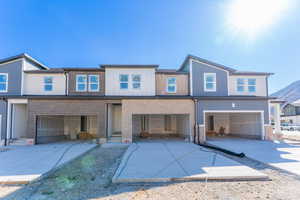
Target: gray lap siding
point(242, 105)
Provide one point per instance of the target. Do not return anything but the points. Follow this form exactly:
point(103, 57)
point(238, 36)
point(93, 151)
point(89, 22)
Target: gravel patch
point(89, 177)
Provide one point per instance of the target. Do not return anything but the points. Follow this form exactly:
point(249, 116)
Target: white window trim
point(89, 83)
point(132, 81)
point(214, 89)
point(48, 83)
point(124, 81)
point(246, 85)
point(6, 74)
point(77, 89)
point(175, 84)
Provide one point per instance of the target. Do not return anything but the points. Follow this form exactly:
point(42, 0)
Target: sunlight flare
point(252, 17)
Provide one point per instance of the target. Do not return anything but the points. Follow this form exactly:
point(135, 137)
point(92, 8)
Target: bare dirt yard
point(89, 177)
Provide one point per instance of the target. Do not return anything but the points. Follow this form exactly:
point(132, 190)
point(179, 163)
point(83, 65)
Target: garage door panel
point(245, 124)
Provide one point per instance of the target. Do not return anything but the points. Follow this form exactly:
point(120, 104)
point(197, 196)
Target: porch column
point(277, 118)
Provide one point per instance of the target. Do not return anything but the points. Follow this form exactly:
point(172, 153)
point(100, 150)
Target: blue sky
point(92, 32)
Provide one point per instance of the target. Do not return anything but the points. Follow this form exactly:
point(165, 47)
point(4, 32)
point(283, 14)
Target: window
point(252, 85)
point(209, 82)
point(48, 83)
point(243, 84)
point(81, 82)
point(123, 81)
point(136, 81)
point(3, 82)
point(171, 85)
point(240, 85)
point(93, 83)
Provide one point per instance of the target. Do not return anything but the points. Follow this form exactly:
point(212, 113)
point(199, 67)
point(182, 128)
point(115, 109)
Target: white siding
point(34, 84)
point(261, 86)
point(29, 66)
point(112, 86)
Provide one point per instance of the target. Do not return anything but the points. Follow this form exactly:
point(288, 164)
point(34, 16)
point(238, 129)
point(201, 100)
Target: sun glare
point(252, 17)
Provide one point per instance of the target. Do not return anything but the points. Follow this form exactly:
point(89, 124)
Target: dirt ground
point(89, 177)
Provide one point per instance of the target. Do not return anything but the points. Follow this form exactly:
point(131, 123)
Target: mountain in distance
point(290, 93)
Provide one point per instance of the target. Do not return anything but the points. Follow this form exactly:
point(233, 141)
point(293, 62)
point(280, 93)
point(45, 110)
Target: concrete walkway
point(177, 160)
point(283, 155)
point(22, 164)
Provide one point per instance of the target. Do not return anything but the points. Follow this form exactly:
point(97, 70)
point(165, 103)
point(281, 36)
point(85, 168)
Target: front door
point(211, 124)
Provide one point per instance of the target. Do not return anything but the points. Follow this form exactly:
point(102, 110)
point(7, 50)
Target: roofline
point(127, 66)
point(135, 97)
point(26, 56)
point(43, 72)
point(252, 73)
point(229, 69)
point(83, 69)
point(189, 56)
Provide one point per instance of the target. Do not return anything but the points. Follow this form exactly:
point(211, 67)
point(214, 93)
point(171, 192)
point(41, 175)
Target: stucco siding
point(14, 71)
point(181, 84)
point(72, 83)
point(34, 84)
point(261, 85)
point(198, 70)
point(112, 84)
point(229, 105)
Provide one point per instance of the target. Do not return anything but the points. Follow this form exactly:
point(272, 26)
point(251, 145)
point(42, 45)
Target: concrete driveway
point(283, 155)
point(164, 160)
point(22, 164)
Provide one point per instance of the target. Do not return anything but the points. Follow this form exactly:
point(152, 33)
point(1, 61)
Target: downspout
point(67, 85)
point(196, 119)
point(5, 138)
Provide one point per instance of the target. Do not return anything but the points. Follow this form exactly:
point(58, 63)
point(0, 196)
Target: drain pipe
point(196, 120)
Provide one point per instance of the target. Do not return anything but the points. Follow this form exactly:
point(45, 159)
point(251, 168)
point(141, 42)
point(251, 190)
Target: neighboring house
point(290, 113)
point(119, 102)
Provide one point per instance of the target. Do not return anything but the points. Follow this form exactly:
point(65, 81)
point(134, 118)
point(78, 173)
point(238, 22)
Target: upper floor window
point(210, 82)
point(94, 83)
point(3, 82)
point(240, 85)
point(81, 83)
point(252, 85)
point(136, 81)
point(171, 85)
point(48, 83)
point(123, 81)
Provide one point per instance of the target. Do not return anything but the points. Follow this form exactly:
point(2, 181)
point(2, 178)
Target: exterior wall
point(69, 108)
point(113, 86)
point(3, 113)
point(259, 105)
point(132, 107)
point(261, 85)
point(72, 83)
point(34, 84)
point(198, 70)
point(182, 86)
point(14, 71)
point(30, 66)
point(295, 119)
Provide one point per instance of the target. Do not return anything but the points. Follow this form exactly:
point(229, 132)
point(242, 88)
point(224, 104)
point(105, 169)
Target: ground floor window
point(83, 123)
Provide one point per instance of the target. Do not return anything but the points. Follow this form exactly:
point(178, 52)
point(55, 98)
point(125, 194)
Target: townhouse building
point(120, 102)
